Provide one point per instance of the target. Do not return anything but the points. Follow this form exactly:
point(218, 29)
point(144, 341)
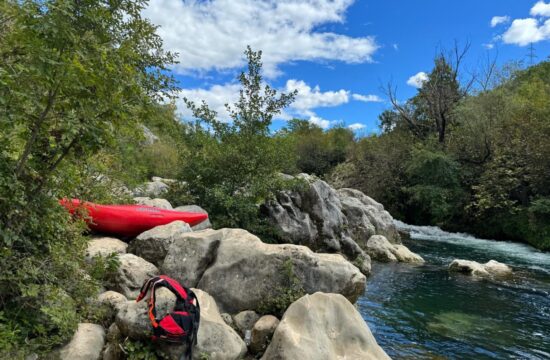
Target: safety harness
point(182, 324)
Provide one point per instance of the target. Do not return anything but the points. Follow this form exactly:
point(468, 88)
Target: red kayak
point(128, 220)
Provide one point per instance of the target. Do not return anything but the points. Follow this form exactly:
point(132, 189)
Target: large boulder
point(156, 202)
point(245, 273)
point(206, 224)
point(324, 219)
point(262, 332)
point(104, 246)
point(490, 269)
point(312, 217)
point(365, 214)
point(131, 274)
point(379, 248)
point(190, 255)
point(323, 326)
point(215, 338)
point(153, 244)
point(86, 343)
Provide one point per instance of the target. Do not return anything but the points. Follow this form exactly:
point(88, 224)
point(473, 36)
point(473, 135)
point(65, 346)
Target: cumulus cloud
point(541, 8)
point(531, 30)
point(356, 126)
point(523, 32)
point(216, 97)
point(367, 98)
point(418, 80)
point(322, 123)
point(497, 20)
point(309, 98)
point(212, 35)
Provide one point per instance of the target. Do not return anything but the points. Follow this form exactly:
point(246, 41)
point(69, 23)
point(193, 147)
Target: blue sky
point(339, 53)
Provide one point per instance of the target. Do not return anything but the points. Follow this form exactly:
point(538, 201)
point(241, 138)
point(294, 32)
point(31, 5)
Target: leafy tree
point(73, 73)
point(433, 187)
point(318, 151)
point(231, 167)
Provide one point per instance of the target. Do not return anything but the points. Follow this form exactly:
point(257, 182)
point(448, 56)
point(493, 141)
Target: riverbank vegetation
point(467, 160)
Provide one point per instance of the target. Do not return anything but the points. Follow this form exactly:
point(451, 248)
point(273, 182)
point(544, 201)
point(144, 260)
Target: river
point(425, 312)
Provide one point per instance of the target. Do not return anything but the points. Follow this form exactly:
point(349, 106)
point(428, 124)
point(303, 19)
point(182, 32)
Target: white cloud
point(309, 98)
point(216, 97)
point(541, 8)
point(418, 79)
point(322, 123)
point(489, 46)
point(356, 126)
point(212, 35)
point(367, 98)
point(523, 32)
point(395, 47)
point(497, 20)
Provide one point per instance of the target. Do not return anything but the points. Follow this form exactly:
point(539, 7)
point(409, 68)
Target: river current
point(425, 312)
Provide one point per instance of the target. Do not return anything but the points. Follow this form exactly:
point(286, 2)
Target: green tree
point(73, 73)
point(231, 167)
point(318, 151)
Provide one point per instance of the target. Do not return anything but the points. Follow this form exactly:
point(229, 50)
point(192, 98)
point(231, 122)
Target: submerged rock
point(323, 326)
point(86, 343)
point(491, 268)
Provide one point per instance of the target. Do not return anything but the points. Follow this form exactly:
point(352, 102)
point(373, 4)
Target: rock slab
point(247, 271)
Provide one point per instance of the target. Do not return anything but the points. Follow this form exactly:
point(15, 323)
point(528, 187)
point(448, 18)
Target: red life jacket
point(182, 324)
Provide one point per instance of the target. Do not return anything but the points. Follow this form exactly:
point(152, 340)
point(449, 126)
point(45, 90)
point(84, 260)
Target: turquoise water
point(424, 312)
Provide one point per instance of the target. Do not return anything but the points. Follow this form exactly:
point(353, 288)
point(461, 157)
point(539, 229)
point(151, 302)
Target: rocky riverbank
point(287, 301)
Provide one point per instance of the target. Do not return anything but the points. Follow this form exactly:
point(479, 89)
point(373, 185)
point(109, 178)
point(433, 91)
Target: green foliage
point(137, 350)
point(488, 176)
point(74, 75)
point(278, 304)
point(231, 168)
point(317, 151)
point(433, 186)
